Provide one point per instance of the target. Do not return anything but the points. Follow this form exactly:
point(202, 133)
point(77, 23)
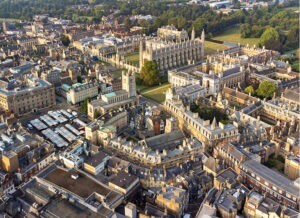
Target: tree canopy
point(65, 40)
point(249, 89)
point(84, 106)
point(270, 39)
point(266, 89)
point(150, 73)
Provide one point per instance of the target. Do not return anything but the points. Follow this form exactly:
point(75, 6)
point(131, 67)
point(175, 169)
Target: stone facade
point(171, 54)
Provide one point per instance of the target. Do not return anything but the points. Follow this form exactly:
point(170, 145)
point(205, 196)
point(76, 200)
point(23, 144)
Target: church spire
point(193, 34)
point(203, 36)
point(214, 123)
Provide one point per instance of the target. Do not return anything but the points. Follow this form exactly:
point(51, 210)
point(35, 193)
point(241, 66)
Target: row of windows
point(267, 186)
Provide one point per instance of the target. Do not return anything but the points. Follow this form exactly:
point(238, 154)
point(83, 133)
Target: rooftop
point(63, 208)
point(83, 186)
point(166, 140)
point(227, 174)
point(96, 159)
point(270, 175)
point(123, 179)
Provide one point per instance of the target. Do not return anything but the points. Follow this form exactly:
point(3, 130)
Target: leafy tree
point(245, 31)
point(84, 106)
point(65, 40)
point(209, 113)
point(97, 114)
point(296, 66)
point(249, 89)
point(266, 89)
point(270, 39)
point(150, 73)
point(292, 38)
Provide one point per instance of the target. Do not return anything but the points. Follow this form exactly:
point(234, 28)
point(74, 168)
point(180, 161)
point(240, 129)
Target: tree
point(250, 90)
point(65, 40)
point(270, 39)
point(292, 39)
point(84, 106)
point(150, 73)
point(246, 31)
point(266, 89)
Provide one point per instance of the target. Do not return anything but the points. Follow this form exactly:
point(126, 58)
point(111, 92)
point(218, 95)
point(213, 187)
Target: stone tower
point(171, 125)
point(193, 34)
point(128, 83)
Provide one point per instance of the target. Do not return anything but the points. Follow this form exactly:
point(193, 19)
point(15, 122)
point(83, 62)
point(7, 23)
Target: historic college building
point(169, 54)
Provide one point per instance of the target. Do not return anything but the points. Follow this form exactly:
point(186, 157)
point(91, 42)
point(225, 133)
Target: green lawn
point(233, 35)
point(118, 73)
point(133, 58)
point(212, 47)
point(156, 93)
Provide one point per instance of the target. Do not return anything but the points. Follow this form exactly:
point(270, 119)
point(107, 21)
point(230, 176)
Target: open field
point(212, 47)
point(233, 35)
point(133, 59)
point(156, 93)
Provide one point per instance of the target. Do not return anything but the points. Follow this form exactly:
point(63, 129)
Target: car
point(30, 126)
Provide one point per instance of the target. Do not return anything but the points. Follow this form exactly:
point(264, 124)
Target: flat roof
point(96, 159)
point(83, 186)
point(110, 95)
point(63, 208)
point(123, 179)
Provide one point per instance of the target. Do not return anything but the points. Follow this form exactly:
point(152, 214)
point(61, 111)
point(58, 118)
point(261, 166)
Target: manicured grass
point(118, 73)
point(133, 59)
point(157, 93)
point(142, 88)
point(233, 35)
point(212, 47)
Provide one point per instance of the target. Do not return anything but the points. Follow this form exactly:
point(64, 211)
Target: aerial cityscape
point(154, 108)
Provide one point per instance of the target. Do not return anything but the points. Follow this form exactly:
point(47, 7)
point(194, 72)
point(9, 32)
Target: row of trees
point(26, 9)
point(277, 28)
point(282, 24)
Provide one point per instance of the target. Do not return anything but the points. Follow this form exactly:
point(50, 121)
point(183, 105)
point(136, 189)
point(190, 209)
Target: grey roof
point(231, 71)
point(271, 176)
point(96, 159)
point(165, 140)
